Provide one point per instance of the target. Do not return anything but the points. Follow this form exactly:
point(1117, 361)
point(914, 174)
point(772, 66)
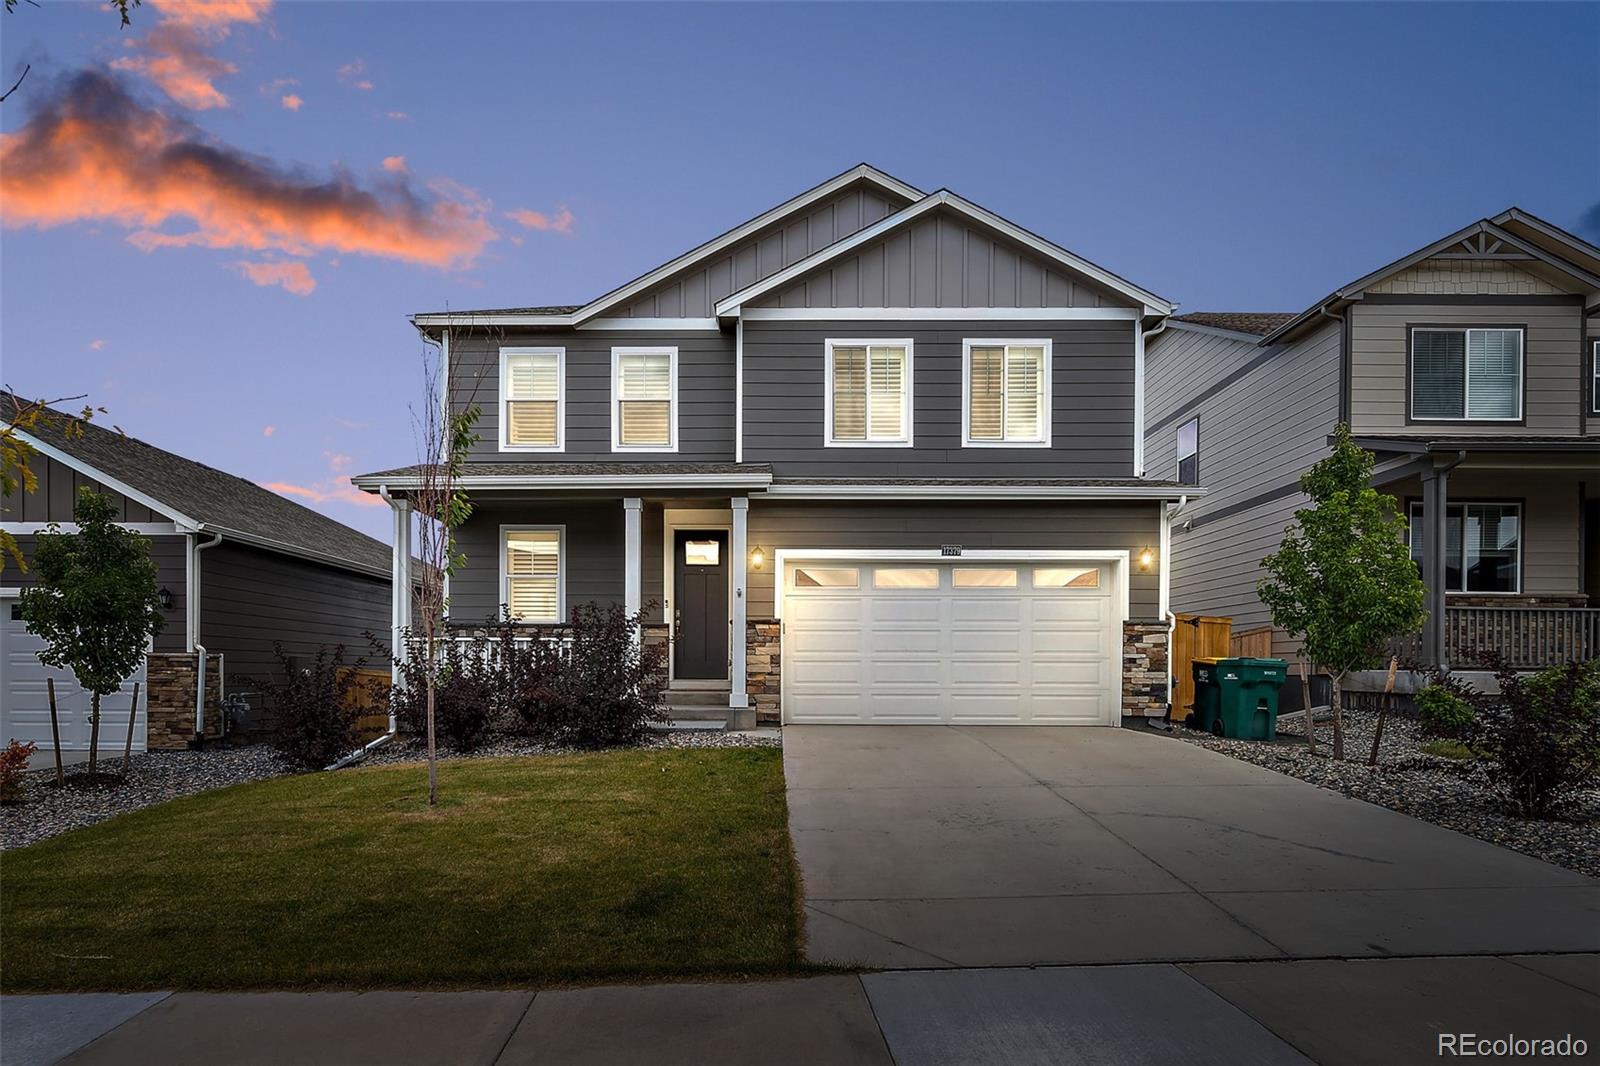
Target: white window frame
point(907, 407)
point(1046, 413)
point(1594, 386)
point(1179, 457)
point(1414, 516)
point(506, 354)
point(672, 397)
point(1466, 373)
point(561, 568)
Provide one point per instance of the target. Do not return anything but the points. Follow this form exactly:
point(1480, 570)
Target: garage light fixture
point(1147, 560)
point(758, 557)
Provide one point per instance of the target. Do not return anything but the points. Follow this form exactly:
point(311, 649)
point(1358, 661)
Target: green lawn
point(634, 864)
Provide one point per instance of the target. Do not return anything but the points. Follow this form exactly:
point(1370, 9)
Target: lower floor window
point(1483, 546)
point(533, 575)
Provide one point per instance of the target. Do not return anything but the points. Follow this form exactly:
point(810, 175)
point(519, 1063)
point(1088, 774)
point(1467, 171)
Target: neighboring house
point(1471, 368)
point(238, 568)
point(872, 456)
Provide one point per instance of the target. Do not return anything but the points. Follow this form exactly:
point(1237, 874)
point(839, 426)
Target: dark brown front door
point(700, 616)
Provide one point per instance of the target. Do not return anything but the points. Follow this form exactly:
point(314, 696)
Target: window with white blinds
point(869, 392)
point(644, 399)
point(532, 579)
point(1466, 374)
point(531, 405)
point(1006, 388)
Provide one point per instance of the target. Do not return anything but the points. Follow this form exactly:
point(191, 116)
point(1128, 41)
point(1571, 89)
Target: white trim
point(1138, 398)
point(907, 407)
point(670, 324)
point(1466, 372)
point(939, 314)
point(50, 451)
point(1019, 491)
point(597, 481)
point(1594, 366)
point(738, 391)
point(632, 555)
point(1047, 411)
point(149, 529)
point(489, 318)
point(1152, 303)
point(1177, 450)
point(10, 592)
point(561, 398)
point(444, 379)
point(672, 520)
point(739, 579)
point(561, 567)
point(738, 233)
point(671, 352)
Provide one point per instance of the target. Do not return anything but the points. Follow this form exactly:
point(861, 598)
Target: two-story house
point(1470, 368)
point(872, 456)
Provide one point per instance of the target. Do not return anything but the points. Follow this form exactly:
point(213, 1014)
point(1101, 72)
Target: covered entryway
point(25, 701)
point(913, 638)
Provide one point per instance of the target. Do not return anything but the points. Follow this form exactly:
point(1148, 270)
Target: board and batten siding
point(941, 260)
point(694, 291)
point(250, 598)
point(705, 392)
point(1079, 525)
point(592, 552)
point(1552, 353)
point(58, 487)
point(170, 554)
point(1092, 401)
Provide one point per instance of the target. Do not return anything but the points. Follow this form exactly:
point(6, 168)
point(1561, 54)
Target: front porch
point(1503, 532)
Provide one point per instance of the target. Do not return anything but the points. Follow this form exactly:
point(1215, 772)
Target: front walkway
point(1003, 846)
point(1238, 1014)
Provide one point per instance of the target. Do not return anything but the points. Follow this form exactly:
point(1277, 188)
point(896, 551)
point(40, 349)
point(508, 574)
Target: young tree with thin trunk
point(1343, 580)
point(445, 436)
point(96, 605)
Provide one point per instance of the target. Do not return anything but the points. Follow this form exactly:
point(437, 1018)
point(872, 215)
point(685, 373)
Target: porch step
point(695, 697)
point(698, 713)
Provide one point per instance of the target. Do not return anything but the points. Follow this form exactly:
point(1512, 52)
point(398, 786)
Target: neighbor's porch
point(1504, 537)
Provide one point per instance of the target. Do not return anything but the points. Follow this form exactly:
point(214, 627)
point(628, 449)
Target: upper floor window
point(531, 405)
point(644, 399)
point(1482, 546)
point(532, 578)
point(1189, 452)
point(1006, 393)
point(1466, 374)
point(1594, 365)
point(869, 393)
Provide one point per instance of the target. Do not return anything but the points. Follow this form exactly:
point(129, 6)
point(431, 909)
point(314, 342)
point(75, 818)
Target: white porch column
point(738, 566)
point(633, 554)
point(400, 583)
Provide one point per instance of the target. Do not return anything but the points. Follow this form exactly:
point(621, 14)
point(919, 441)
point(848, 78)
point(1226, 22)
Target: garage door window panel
point(826, 577)
point(905, 577)
point(985, 578)
point(1066, 577)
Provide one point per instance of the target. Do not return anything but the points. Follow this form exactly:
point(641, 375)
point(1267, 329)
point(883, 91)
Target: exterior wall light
point(1147, 560)
point(164, 597)
point(758, 557)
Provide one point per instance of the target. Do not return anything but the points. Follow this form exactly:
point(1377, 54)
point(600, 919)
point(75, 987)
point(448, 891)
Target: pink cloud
point(267, 431)
point(96, 344)
point(395, 164)
point(292, 102)
point(211, 13)
point(175, 52)
point(333, 490)
point(337, 461)
point(399, 116)
point(364, 86)
point(560, 222)
point(293, 275)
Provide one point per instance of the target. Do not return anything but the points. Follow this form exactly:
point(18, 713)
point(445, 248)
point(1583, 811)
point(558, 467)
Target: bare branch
point(16, 83)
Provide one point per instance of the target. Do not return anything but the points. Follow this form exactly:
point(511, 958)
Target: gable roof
point(205, 499)
point(1255, 323)
point(944, 198)
point(1490, 230)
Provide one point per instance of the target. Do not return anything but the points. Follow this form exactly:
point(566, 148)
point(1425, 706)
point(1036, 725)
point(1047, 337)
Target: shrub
point(467, 693)
point(1444, 708)
point(606, 686)
point(1541, 735)
point(13, 764)
point(316, 711)
point(1447, 749)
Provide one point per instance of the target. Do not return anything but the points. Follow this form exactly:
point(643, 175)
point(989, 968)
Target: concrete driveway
point(973, 846)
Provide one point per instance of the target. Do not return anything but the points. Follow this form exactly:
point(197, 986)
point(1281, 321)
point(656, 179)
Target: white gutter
point(569, 481)
point(394, 629)
point(193, 592)
point(1167, 514)
point(1020, 491)
point(1140, 338)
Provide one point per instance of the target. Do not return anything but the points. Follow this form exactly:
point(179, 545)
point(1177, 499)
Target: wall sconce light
point(758, 557)
point(164, 597)
point(1147, 560)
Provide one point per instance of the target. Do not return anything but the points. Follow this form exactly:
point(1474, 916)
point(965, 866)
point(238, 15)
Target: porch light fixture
point(164, 597)
point(1147, 559)
point(758, 557)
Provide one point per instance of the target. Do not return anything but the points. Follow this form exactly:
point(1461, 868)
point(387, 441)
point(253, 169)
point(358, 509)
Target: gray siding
point(1216, 565)
point(705, 392)
point(1553, 354)
point(941, 260)
point(169, 553)
point(593, 552)
point(58, 486)
point(693, 293)
point(1065, 526)
point(250, 598)
point(1092, 396)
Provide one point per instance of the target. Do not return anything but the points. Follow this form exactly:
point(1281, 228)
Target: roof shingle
point(1255, 323)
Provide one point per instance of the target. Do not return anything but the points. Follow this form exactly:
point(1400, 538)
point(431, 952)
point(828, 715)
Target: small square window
point(975, 578)
point(1067, 577)
point(905, 577)
point(837, 577)
point(702, 552)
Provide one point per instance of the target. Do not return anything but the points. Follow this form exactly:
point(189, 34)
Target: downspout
point(198, 648)
point(1168, 512)
point(1140, 339)
point(394, 622)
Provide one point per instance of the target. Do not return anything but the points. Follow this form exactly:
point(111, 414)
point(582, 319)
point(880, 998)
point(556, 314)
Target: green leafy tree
point(16, 454)
point(1343, 580)
point(96, 605)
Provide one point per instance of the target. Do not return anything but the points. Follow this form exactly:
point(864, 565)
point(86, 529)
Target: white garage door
point(25, 702)
point(964, 642)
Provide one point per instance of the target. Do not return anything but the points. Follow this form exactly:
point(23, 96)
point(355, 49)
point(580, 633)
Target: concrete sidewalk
point(1238, 1013)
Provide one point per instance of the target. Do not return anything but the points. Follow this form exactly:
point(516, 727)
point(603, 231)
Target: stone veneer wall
point(169, 684)
point(1144, 669)
point(1543, 599)
point(763, 642)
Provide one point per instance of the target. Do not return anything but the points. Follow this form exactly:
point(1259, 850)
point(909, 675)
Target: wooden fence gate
point(1196, 636)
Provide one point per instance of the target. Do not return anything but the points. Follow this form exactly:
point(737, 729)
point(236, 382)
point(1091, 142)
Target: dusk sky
point(217, 219)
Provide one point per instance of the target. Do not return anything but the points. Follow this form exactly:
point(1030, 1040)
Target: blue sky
point(1229, 157)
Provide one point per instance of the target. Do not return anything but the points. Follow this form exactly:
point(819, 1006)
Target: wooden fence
point(370, 696)
point(1196, 636)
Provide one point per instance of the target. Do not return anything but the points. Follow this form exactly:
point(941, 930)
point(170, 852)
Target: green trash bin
point(1247, 705)
point(1206, 694)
